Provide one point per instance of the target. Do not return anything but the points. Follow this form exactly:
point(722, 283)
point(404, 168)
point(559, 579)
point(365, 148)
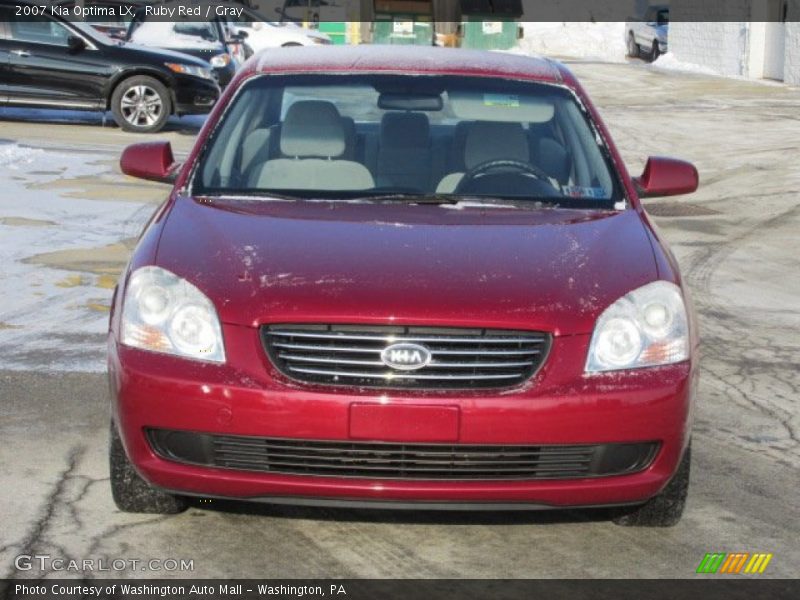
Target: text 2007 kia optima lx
point(404, 278)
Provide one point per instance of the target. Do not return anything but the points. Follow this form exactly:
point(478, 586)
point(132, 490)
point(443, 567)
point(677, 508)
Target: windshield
point(402, 136)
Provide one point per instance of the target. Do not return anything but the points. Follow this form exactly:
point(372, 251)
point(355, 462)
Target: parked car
point(52, 63)
point(647, 36)
point(416, 279)
point(206, 40)
point(263, 34)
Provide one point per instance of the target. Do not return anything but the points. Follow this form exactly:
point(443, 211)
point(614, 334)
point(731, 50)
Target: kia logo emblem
point(405, 356)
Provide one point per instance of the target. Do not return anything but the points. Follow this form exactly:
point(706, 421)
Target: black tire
point(633, 48)
point(666, 509)
point(141, 104)
point(132, 493)
point(290, 45)
point(655, 51)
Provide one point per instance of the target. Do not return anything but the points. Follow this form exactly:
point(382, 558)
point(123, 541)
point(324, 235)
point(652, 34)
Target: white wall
point(734, 49)
point(721, 47)
point(791, 67)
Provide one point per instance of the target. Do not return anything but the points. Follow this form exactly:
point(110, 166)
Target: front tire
point(633, 47)
point(655, 51)
point(141, 104)
point(666, 509)
point(131, 493)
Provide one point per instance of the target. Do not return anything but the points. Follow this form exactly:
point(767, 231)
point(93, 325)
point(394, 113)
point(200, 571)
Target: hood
point(339, 262)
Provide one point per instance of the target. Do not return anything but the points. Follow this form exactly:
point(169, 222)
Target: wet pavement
point(67, 221)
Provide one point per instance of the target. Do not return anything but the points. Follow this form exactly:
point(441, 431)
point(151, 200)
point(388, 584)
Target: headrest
point(312, 128)
point(405, 130)
point(494, 140)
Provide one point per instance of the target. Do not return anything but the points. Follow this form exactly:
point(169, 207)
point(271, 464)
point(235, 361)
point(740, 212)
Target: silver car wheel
point(141, 106)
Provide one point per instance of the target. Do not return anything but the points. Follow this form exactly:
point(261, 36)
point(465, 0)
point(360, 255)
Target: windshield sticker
point(504, 100)
point(577, 191)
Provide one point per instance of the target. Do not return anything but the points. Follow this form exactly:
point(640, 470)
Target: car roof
point(424, 60)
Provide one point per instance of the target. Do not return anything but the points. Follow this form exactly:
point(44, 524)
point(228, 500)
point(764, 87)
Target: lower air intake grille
point(445, 358)
point(380, 460)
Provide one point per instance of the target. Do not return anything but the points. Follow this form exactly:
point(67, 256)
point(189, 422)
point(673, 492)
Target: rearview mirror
point(664, 176)
point(150, 160)
point(392, 101)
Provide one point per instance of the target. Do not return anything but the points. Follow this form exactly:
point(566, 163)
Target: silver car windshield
point(338, 136)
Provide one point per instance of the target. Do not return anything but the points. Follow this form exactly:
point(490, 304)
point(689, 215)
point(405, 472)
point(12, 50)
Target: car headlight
point(644, 328)
point(164, 313)
point(189, 70)
point(220, 60)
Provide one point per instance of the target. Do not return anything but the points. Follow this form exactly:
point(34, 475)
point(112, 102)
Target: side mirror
point(75, 43)
point(150, 160)
point(664, 176)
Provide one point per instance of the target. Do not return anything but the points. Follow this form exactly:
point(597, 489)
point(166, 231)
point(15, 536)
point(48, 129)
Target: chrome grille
point(351, 355)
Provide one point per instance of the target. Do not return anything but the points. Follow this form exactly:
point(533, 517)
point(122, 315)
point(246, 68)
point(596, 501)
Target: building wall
point(732, 48)
point(721, 47)
point(791, 68)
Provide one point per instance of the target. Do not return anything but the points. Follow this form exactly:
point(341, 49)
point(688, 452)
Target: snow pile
point(669, 62)
point(584, 39)
point(12, 156)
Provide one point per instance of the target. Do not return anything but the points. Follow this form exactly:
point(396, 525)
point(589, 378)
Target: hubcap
point(141, 106)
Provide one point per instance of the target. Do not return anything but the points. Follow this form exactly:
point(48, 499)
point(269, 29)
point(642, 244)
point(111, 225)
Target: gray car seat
point(404, 151)
point(313, 137)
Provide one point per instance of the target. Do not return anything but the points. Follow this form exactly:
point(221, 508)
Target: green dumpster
point(336, 30)
point(402, 29)
point(490, 24)
point(408, 22)
point(489, 35)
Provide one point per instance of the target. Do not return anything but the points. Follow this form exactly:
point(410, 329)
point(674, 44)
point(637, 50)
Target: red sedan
point(404, 277)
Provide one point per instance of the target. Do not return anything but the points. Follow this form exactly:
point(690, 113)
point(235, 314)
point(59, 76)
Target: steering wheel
point(499, 165)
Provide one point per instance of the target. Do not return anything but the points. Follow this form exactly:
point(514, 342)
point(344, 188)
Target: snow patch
point(12, 156)
point(57, 318)
point(669, 62)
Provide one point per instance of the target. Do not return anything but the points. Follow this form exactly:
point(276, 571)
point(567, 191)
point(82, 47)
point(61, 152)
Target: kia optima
point(410, 277)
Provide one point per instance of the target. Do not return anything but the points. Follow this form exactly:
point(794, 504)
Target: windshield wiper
point(258, 196)
point(411, 198)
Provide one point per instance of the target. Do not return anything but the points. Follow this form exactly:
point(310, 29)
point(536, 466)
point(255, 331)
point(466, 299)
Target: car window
point(38, 29)
point(341, 136)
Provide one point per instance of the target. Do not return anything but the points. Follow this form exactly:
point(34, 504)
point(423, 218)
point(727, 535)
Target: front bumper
point(248, 397)
point(193, 95)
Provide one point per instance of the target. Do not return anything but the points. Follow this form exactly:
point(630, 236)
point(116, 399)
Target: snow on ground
point(598, 41)
point(53, 247)
point(670, 62)
point(13, 157)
